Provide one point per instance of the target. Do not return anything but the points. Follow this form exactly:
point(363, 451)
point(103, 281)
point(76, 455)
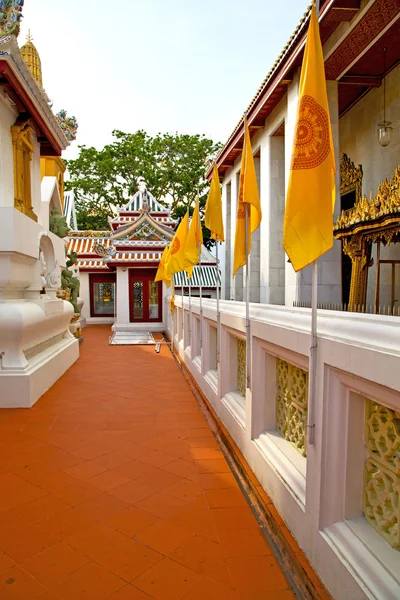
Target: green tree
point(173, 167)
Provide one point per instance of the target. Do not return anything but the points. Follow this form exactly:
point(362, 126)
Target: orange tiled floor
point(113, 487)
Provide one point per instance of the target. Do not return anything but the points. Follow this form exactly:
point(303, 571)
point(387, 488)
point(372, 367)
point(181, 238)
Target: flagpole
point(190, 312)
point(248, 352)
point(218, 313)
point(172, 315)
point(201, 295)
point(183, 313)
point(313, 348)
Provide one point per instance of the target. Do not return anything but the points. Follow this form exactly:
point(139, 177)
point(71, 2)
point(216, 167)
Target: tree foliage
point(173, 167)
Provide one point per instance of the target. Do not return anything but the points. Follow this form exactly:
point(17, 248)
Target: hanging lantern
point(384, 127)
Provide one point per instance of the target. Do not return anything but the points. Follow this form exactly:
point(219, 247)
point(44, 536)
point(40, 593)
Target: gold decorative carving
point(350, 177)
point(381, 497)
point(241, 367)
point(369, 221)
point(292, 404)
point(22, 140)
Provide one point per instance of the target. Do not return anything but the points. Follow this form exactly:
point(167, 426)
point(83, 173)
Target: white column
point(123, 316)
point(291, 278)
point(234, 193)
point(265, 221)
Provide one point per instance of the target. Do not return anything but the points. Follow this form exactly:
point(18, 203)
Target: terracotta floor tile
point(132, 521)
point(185, 490)
point(199, 554)
point(111, 460)
point(5, 562)
point(193, 518)
point(164, 537)
point(159, 479)
point(156, 458)
point(16, 584)
point(92, 582)
point(96, 540)
point(224, 498)
point(210, 533)
point(269, 595)
point(54, 564)
point(256, 574)
point(25, 493)
point(161, 504)
point(213, 465)
point(67, 523)
point(211, 590)
point(129, 592)
point(108, 480)
point(234, 518)
point(77, 493)
point(13, 527)
point(181, 467)
point(202, 442)
point(43, 507)
point(85, 470)
point(217, 481)
point(244, 543)
point(46, 595)
point(207, 453)
point(101, 506)
point(130, 560)
point(168, 580)
point(133, 469)
point(223, 576)
point(89, 452)
point(132, 492)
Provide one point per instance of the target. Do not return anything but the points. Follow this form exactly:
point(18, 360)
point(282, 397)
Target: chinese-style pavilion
point(118, 267)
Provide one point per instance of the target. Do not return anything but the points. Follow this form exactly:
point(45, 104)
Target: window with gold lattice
point(381, 494)
point(22, 139)
point(292, 404)
point(241, 367)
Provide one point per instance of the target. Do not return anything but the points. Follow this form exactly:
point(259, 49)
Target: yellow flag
point(194, 242)
point(177, 248)
point(213, 213)
point(308, 224)
point(162, 274)
point(248, 199)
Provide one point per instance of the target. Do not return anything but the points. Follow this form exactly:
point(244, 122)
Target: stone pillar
point(264, 189)
point(122, 312)
point(277, 257)
point(291, 277)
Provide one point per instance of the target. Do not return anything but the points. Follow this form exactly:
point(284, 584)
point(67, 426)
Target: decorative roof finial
point(10, 17)
point(29, 37)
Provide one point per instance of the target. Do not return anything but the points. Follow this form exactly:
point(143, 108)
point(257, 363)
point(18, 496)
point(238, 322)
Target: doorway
point(145, 296)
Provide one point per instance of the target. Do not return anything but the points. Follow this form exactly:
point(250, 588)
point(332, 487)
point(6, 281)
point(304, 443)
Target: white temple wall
point(84, 293)
point(7, 118)
point(320, 496)
point(359, 140)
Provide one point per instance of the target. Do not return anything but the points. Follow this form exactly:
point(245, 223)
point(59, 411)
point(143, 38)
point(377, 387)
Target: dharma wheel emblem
point(312, 144)
point(175, 246)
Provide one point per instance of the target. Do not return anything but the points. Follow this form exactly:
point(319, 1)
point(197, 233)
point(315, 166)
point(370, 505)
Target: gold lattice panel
point(381, 498)
point(241, 367)
point(292, 404)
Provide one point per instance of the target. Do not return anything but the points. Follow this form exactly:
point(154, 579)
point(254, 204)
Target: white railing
point(331, 498)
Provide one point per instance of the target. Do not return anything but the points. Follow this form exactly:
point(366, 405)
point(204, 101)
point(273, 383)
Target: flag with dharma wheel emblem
point(312, 143)
point(308, 223)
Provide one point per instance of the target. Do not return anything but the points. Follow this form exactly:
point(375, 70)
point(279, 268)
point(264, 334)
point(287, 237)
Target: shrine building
point(117, 267)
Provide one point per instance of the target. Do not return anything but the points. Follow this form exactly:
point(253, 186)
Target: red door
point(145, 296)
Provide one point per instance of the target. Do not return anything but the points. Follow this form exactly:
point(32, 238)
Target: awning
point(206, 275)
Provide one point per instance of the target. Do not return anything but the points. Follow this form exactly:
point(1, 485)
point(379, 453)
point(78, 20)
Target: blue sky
point(161, 65)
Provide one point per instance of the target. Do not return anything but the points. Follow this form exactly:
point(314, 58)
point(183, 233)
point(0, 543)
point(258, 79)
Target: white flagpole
point(313, 349)
point(218, 313)
point(248, 348)
point(190, 312)
point(201, 293)
point(183, 312)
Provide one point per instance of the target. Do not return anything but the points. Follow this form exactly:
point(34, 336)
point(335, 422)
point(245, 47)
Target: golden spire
point(32, 59)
